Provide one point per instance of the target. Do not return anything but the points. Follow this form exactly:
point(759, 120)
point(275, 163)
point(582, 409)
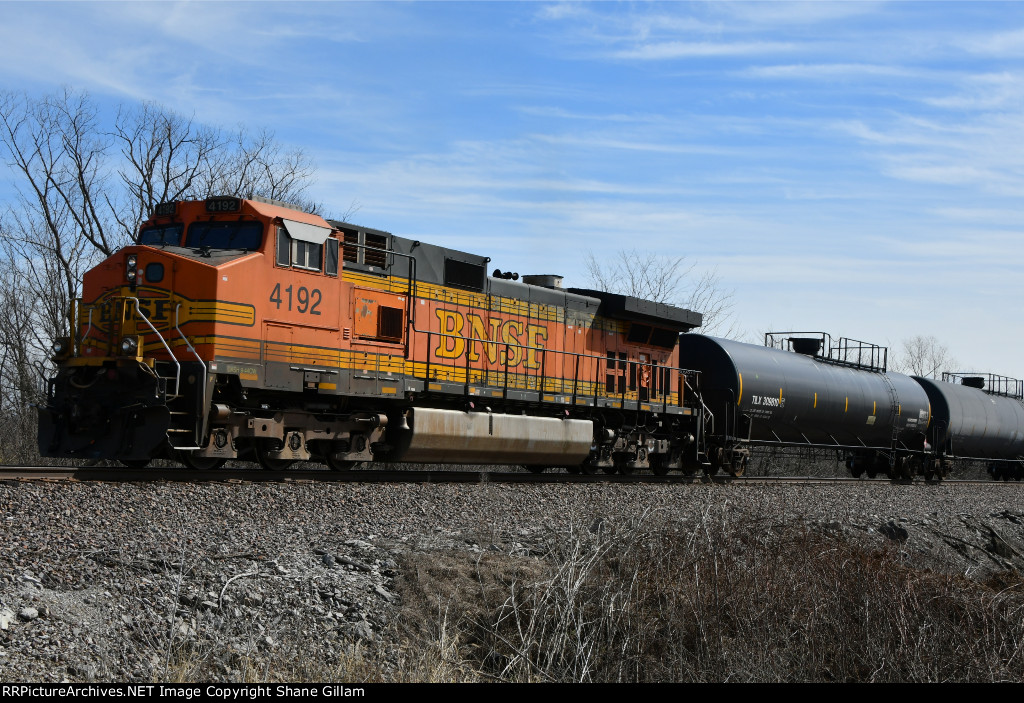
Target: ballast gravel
point(113, 582)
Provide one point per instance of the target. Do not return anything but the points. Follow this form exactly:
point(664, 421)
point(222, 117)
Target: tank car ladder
point(705, 428)
point(894, 413)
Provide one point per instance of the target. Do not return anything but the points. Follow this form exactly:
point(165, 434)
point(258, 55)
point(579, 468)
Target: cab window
point(225, 235)
point(162, 235)
point(302, 254)
point(306, 255)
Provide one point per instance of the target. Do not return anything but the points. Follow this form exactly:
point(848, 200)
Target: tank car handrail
point(836, 351)
point(993, 384)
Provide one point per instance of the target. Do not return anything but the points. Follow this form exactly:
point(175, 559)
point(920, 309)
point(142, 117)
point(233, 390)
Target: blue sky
point(853, 167)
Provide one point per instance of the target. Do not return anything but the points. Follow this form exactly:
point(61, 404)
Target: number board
point(223, 205)
point(165, 209)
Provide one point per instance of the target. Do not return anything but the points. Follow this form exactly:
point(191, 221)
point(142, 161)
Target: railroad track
point(114, 474)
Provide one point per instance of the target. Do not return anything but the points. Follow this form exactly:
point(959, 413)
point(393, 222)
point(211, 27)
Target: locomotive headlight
point(131, 265)
point(130, 345)
point(61, 347)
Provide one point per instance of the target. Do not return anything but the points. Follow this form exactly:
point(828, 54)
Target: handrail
point(201, 363)
point(458, 363)
point(177, 373)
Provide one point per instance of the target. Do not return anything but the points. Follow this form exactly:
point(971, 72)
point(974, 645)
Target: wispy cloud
point(660, 51)
point(833, 71)
point(814, 152)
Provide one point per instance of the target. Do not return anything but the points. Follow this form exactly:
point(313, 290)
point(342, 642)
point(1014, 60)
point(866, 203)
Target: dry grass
point(658, 601)
point(651, 599)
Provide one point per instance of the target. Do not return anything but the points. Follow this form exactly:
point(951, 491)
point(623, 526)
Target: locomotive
point(249, 329)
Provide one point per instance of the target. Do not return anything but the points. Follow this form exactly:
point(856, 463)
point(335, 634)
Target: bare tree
point(82, 190)
point(666, 279)
point(923, 356)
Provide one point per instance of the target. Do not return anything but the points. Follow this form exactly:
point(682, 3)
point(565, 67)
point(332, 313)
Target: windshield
point(225, 235)
point(162, 235)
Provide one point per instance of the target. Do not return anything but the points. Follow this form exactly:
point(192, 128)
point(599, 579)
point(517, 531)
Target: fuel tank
point(968, 422)
point(773, 395)
point(455, 437)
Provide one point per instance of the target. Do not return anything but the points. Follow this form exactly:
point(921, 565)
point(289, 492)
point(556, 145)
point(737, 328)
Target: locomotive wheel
point(269, 463)
point(200, 463)
point(134, 463)
point(342, 465)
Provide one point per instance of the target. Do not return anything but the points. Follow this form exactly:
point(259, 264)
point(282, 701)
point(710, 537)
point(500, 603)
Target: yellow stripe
point(815, 400)
point(847, 404)
point(740, 398)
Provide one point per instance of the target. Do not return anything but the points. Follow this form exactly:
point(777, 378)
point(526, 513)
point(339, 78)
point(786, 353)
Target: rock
point(86, 671)
point(354, 563)
point(28, 614)
point(362, 630)
point(894, 532)
point(6, 618)
point(385, 594)
point(328, 560)
point(998, 545)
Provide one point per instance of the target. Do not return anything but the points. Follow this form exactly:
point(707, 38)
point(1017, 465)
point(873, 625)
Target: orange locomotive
point(246, 329)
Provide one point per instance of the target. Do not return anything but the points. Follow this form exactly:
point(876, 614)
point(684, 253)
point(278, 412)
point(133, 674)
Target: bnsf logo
point(156, 304)
point(467, 332)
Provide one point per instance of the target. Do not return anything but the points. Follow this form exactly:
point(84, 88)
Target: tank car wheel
point(200, 463)
point(269, 463)
point(577, 469)
point(536, 469)
point(738, 466)
point(659, 464)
